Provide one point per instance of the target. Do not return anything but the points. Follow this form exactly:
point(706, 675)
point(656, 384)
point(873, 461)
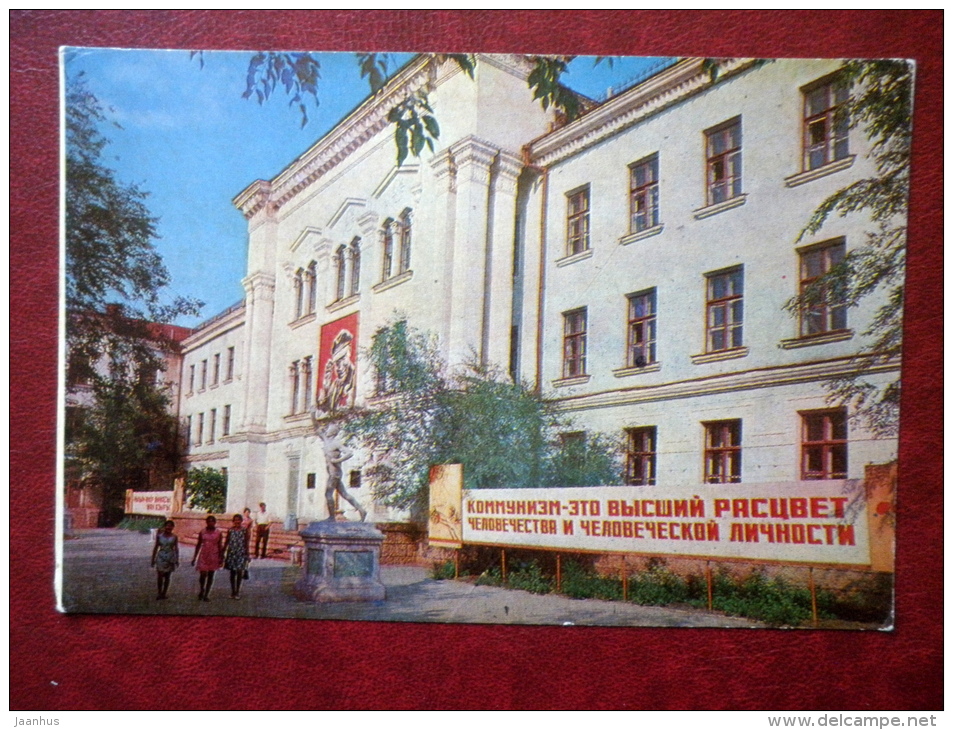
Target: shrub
point(529, 577)
point(141, 523)
point(772, 600)
point(443, 571)
point(578, 582)
point(490, 577)
point(659, 587)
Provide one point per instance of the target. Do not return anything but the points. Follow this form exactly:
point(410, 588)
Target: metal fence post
point(711, 602)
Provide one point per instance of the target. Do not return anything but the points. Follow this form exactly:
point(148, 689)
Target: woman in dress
point(208, 554)
point(165, 557)
point(236, 554)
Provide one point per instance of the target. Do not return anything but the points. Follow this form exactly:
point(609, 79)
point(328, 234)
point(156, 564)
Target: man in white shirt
point(263, 522)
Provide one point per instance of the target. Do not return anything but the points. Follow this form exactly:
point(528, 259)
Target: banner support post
point(708, 582)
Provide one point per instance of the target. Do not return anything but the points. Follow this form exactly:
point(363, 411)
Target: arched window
point(387, 249)
point(355, 252)
point(405, 239)
point(312, 280)
point(299, 293)
point(340, 264)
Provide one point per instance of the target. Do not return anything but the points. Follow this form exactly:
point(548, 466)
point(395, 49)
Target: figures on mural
point(335, 454)
point(165, 557)
point(337, 386)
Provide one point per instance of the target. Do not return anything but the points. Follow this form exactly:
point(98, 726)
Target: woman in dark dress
point(236, 554)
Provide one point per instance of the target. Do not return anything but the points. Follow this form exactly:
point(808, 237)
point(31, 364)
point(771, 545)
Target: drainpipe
point(544, 210)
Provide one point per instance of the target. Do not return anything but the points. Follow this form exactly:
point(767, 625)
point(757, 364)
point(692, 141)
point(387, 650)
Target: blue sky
point(188, 138)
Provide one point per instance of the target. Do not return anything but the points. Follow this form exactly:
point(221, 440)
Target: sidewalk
point(107, 571)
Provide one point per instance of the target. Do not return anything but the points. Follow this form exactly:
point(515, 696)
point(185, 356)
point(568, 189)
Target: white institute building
point(633, 263)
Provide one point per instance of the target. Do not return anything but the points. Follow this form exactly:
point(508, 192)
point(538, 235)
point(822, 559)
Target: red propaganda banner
point(337, 364)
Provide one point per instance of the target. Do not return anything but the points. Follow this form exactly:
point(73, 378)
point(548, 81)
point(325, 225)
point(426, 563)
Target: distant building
point(85, 500)
point(634, 263)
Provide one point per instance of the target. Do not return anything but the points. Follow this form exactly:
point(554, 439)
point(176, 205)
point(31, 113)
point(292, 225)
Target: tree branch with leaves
point(881, 106)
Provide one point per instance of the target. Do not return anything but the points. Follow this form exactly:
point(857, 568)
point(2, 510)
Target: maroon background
point(115, 662)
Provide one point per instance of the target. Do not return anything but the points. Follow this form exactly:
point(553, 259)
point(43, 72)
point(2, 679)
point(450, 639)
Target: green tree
point(504, 433)
point(415, 124)
point(881, 105)
point(205, 489)
point(115, 293)
point(126, 436)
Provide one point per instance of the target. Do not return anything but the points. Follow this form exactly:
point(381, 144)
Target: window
point(226, 420)
point(308, 372)
point(640, 456)
point(722, 452)
point(387, 249)
point(577, 222)
point(826, 316)
point(216, 368)
point(295, 376)
point(640, 340)
point(643, 194)
point(204, 381)
point(354, 479)
point(723, 152)
point(211, 426)
point(724, 310)
point(340, 266)
point(826, 124)
point(824, 444)
point(355, 253)
point(198, 436)
point(311, 280)
point(188, 431)
point(225, 475)
point(191, 379)
point(574, 343)
point(79, 371)
point(311, 480)
point(230, 364)
point(405, 240)
point(299, 289)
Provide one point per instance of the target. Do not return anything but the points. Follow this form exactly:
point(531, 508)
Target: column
point(498, 311)
point(467, 291)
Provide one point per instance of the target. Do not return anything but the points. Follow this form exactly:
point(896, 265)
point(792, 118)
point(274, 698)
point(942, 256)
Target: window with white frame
point(643, 194)
point(723, 161)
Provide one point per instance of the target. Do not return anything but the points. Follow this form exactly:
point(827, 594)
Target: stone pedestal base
point(342, 562)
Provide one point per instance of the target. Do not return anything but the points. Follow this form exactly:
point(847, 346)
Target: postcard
point(478, 338)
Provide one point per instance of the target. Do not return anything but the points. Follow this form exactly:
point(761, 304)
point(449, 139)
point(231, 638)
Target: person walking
point(165, 557)
point(236, 554)
point(208, 555)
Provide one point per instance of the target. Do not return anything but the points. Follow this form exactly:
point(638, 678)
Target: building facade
point(634, 264)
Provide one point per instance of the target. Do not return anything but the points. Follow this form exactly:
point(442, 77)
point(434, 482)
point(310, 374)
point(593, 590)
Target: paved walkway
point(107, 571)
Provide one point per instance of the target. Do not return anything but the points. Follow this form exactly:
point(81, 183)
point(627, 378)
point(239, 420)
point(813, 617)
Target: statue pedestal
point(342, 562)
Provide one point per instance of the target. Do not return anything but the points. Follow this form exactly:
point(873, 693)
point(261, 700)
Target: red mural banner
point(337, 364)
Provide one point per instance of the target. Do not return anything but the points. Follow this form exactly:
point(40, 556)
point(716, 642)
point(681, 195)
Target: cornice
point(253, 198)
point(770, 377)
point(361, 125)
point(230, 321)
point(670, 86)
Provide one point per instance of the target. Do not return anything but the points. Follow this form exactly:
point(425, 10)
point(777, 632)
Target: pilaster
point(473, 159)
